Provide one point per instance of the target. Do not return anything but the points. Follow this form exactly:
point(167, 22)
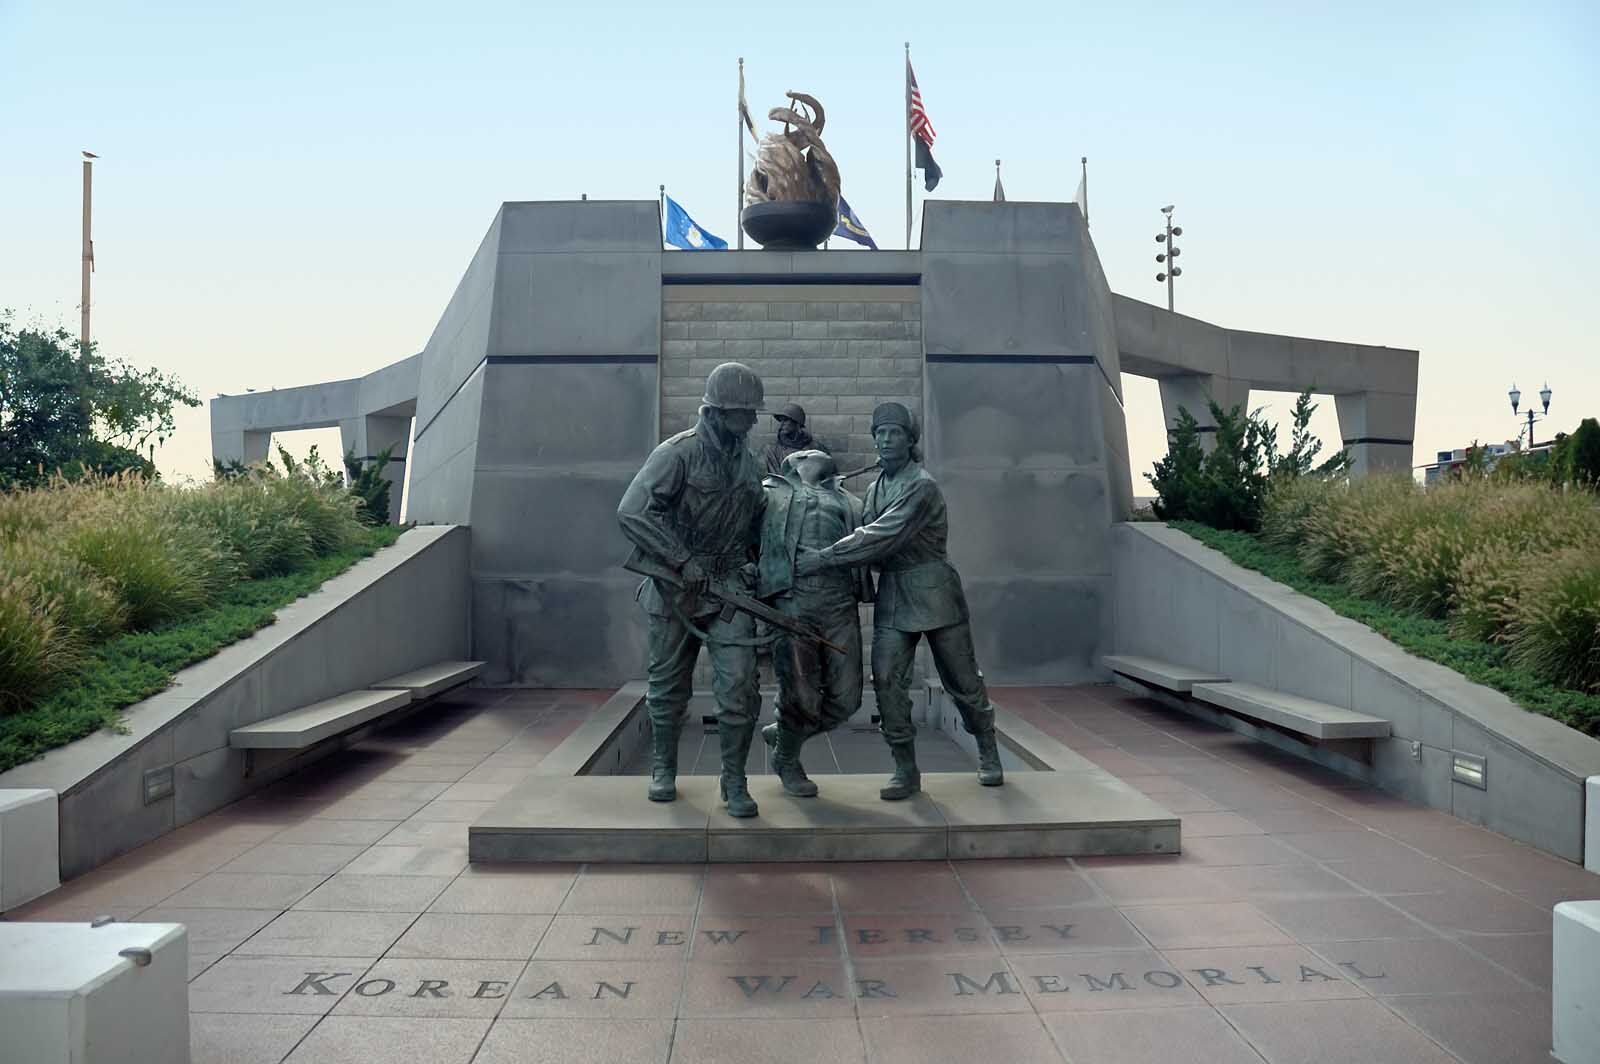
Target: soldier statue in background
point(919, 596)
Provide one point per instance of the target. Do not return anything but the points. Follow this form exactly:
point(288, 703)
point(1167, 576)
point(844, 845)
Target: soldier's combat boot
point(906, 780)
point(786, 760)
point(989, 772)
point(663, 764)
point(735, 749)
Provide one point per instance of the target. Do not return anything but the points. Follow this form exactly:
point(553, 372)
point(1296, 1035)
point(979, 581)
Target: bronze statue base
point(788, 225)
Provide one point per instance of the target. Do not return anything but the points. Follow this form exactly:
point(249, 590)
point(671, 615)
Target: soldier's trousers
point(673, 652)
point(893, 654)
point(819, 689)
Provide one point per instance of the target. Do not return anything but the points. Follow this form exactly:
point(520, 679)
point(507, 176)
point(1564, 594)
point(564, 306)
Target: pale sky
point(288, 193)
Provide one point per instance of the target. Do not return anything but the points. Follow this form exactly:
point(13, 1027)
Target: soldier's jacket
point(904, 532)
point(781, 528)
point(694, 499)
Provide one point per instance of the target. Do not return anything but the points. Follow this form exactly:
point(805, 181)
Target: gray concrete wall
point(837, 350)
point(1177, 600)
point(1025, 429)
point(399, 610)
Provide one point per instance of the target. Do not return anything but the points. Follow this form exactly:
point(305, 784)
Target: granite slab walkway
point(335, 920)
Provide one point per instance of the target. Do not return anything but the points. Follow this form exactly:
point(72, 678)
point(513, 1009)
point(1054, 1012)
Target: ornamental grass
point(1512, 563)
point(84, 561)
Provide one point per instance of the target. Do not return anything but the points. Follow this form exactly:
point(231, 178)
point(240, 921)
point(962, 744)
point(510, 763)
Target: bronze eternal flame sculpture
point(792, 196)
point(708, 533)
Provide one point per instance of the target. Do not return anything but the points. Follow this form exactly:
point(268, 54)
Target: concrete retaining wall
point(1180, 601)
point(401, 609)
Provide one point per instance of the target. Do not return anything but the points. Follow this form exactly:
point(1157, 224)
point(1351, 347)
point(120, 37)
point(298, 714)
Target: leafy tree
point(71, 410)
point(1581, 455)
point(367, 483)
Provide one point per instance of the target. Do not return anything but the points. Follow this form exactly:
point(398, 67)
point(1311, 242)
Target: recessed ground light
point(1469, 769)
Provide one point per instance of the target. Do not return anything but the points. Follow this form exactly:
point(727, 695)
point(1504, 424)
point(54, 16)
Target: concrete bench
point(30, 837)
point(311, 724)
point(82, 994)
point(433, 679)
point(1303, 716)
point(1163, 674)
point(1575, 982)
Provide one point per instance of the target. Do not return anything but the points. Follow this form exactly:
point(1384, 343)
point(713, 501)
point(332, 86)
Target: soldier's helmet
point(734, 386)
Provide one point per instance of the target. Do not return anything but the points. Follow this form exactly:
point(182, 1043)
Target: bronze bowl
point(789, 225)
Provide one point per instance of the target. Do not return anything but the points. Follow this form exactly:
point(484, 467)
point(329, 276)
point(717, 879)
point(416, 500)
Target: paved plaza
point(334, 918)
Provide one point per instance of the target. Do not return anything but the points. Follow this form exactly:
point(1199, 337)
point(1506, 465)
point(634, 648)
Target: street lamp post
point(1170, 255)
point(1544, 398)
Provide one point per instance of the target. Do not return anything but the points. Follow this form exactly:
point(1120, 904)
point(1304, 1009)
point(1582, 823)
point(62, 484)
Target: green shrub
point(260, 537)
point(35, 649)
point(1556, 630)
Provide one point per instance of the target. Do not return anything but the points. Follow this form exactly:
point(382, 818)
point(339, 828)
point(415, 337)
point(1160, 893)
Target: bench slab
point(311, 724)
point(1164, 674)
point(1319, 720)
point(431, 679)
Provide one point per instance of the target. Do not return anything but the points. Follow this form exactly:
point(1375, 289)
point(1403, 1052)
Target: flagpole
point(663, 195)
point(908, 145)
point(738, 190)
point(1085, 161)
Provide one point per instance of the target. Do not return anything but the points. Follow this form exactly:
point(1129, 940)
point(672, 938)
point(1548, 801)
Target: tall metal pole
point(1084, 162)
point(88, 254)
point(738, 194)
point(1171, 262)
point(908, 145)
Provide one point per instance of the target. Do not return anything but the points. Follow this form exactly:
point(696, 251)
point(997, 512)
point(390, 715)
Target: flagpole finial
point(908, 48)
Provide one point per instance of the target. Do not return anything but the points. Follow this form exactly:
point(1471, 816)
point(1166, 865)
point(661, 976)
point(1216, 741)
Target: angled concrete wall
point(1025, 429)
point(538, 404)
point(1182, 602)
point(399, 610)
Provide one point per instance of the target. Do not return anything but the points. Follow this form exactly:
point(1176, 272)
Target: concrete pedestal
point(77, 994)
point(1575, 982)
point(30, 845)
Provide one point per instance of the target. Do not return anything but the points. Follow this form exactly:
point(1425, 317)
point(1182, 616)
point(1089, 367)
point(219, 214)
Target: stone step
point(1036, 814)
point(311, 724)
point(432, 679)
point(1317, 720)
point(1164, 674)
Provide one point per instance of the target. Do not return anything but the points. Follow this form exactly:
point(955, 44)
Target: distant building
point(1453, 463)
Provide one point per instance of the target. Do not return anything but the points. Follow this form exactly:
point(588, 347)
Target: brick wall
point(836, 350)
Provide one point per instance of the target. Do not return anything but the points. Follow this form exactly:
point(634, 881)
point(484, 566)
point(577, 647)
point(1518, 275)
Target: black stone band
point(572, 360)
point(1377, 439)
point(791, 278)
point(1019, 360)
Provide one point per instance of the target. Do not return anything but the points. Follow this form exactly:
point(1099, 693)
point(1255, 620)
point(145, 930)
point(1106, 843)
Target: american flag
point(921, 128)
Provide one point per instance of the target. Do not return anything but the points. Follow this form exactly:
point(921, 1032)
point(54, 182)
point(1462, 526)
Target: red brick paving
point(333, 919)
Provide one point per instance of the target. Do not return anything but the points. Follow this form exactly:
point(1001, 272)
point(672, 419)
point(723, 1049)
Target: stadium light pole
point(1170, 255)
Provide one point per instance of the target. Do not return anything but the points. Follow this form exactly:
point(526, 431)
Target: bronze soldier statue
point(696, 507)
point(792, 436)
point(818, 688)
point(919, 596)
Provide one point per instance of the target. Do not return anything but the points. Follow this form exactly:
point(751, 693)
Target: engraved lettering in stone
point(1262, 972)
point(820, 990)
point(485, 985)
point(312, 984)
point(870, 988)
point(669, 938)
point(869, 936)
point(756, 984)
point(919, 934)
point(624, 938)
point(1116, 982)
point(1064, 930)
point(361, 988)
point(553, 992)
point(966, 934)
point(432, 987)
point(1010, 933)
point(1161, 983)
point(1215, 976)
point(1307, 974)
point(1361, 974)
point(966, 987)
point(602, 988)
point(718, 937)
point(1050, 984)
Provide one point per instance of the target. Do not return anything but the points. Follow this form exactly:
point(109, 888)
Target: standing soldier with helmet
point(695, 507)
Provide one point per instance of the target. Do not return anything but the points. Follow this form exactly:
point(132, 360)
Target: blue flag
point(682, 232)
point(850, 226)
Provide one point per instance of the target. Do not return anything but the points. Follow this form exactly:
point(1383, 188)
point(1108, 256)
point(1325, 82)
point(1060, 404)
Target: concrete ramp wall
point(401, 609)
point(1178, 600)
